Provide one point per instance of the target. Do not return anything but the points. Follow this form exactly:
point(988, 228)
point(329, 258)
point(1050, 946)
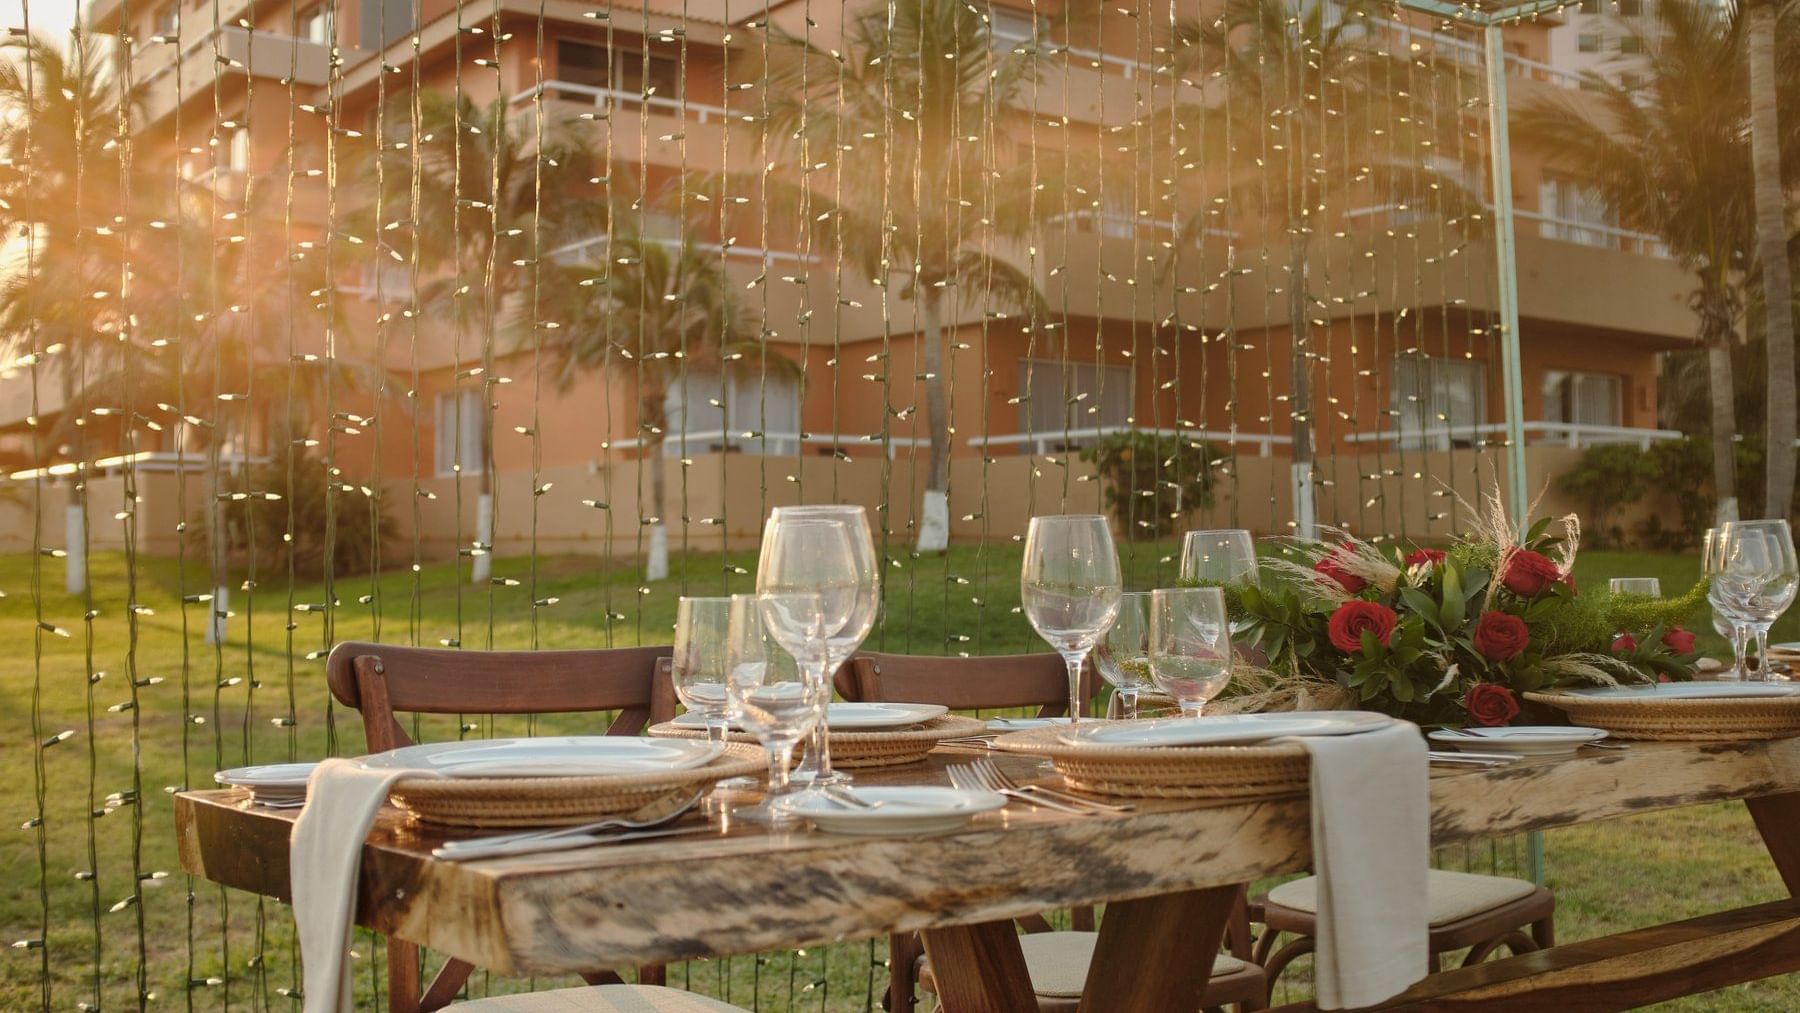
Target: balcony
point(669, 131)
point(1056, 441)
point(173, 72)
point(1574, 435)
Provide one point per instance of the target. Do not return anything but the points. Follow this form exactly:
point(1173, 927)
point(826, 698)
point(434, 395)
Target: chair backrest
point(1007, 680)
point(381, 680)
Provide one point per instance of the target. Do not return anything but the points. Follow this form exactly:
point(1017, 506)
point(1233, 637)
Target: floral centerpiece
point(1457, 635)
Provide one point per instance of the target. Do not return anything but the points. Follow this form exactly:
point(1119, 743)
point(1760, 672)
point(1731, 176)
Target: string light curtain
point(448, 323)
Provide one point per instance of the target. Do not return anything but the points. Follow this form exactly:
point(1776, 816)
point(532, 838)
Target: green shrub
point(1606, 478)
point(1682, 471)
point(1151, 482)
point(256, 522)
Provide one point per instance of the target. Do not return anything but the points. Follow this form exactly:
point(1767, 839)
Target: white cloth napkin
point(1371, 837)
point(324, 859)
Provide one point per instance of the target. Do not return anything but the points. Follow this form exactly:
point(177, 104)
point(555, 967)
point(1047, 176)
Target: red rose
point(1419, 557)
point(1332, 566)
point(1624, 643)
point(1500, 637)
point(1353, 617)
point(1679, 640)
point(1490, 704)
point(1528, 573)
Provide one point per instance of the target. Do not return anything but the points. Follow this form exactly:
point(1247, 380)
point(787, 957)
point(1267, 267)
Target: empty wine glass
point(817, 554)
point(774, 572)
point(1762, 551)
point(698, 662)
point(767, 693)
point(1070, 588)
point(1123, 655)
point(1732, 566)
point(1648, 587)
point(1190, 645)
point(1226, 556)
point(1725, 621)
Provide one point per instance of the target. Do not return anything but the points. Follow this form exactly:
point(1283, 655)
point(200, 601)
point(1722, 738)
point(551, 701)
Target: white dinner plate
point(1544, 740)
point(1022, 724)
point(1689, 690)
point(551, 756)
point(268, 776)
point(856, 717)
point(1790, 647)
point(1223, 729)
point(917, 809)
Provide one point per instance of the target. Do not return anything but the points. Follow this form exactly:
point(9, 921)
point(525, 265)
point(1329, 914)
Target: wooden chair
point(1480, 912)
point(1006, 681)
point(382, 680)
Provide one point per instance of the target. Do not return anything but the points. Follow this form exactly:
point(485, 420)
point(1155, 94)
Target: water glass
point(1760, 563)
point(767, 694)
point(1190, 645)
point(1648, 587)
point(1123, 655)
point(1725, 616)
point(1069, 584)
point(1226, 556)
point(698, 664)
point(789, 562)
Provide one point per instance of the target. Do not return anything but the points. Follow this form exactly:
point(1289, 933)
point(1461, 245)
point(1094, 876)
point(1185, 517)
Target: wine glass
point(1226, 556)
point(1070, 588)
point(1732, 566)
point(772, 569)
point(1764, 548)
point(816, 553)
point(767, 693)
point(697, 666)
point(1724, 620)
point(1648, 587)
point(1190, 645)
point(1123, 655)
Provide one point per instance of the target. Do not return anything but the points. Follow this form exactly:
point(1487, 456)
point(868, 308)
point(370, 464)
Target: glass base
point(810, 778)
point(770, 812)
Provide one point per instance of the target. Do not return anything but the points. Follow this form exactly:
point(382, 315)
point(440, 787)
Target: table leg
point(979, 968)
point(1156, 953)
point(1778, 820)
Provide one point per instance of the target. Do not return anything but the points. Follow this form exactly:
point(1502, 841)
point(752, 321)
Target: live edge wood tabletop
point(1166, 872)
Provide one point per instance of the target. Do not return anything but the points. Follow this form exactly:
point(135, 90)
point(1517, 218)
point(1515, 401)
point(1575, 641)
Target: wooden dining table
point(1167, 873)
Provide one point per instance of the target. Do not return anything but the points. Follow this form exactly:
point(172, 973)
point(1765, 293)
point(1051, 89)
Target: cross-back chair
point(381, 681)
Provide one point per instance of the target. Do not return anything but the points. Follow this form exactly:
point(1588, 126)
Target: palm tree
point(1670, 156)
point(495, 194)
point(663, 307)
point(1318, 83)
point(1766, 143)
point(904, 108)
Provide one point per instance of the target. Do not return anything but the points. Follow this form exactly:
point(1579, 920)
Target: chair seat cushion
point(1058, 962)
point(599, 999)
point(1449, 896)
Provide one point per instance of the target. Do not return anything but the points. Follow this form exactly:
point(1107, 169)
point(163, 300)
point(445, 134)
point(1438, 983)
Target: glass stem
point(1074, 662)
point(715, 730)
point(1129, 698)
point(1762, 652)
point(781, 753)
point(1192, 709)
point(1740, 642)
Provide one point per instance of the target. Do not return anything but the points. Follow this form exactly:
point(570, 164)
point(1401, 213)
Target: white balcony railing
point(1579, 435)
point(1603, 236)
point(143, 461)
point(1058, 440)
point(773, 444)
point(573, 253)
point(608, 99)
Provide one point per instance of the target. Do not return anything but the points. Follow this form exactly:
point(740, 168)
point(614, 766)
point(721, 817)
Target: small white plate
point(1022, 724)
point(1791, 647)
point(855, 717)
point(268, 778)
point(1688, 691)
point(1223, 729)
point(551, 756)
point(919, 809)
point(1525, 740)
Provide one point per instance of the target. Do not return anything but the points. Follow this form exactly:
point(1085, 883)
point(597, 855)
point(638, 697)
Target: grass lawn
point(112, 915)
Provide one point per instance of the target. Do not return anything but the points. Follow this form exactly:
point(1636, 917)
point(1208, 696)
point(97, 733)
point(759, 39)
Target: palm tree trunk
point(1715, 324)
point(75, 513)
point(1300, 383)
point(1771, 249)
point(656, 563)
point(934, 517)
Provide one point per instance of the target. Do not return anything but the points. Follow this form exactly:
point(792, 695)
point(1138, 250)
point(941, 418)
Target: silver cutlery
point(850, 800)
point(1470, 759)
point(653, 814)
point(963, 776)
point(983, 775)
point(566, 842)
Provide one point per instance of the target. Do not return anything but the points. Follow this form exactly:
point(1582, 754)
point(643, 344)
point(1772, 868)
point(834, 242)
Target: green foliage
point(259, 525)
point(1152, 482)
point(1683, 472)
point(1607, 477)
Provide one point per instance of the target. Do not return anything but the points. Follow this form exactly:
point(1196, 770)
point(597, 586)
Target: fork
point(992, 774)
point(655, 814)
point(963, 776)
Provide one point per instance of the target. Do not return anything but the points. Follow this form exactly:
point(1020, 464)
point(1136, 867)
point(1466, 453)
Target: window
point(1437, 402)
point(459, 432)
point(383, 21)
point(1631, 45)
point(625, 69)
point(1575, 213)
point(1072, 395)
point(1013, 28)
point(1589, 399)
point(715, 410)
point(1631, 8)
point(1590, 6)
point(312, 26)
point(1588, 42)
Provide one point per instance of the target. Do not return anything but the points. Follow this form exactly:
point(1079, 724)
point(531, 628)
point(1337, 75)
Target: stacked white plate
point(896, 809)
point(1022, 724)
point(277, 785)
point(1689, 691)
point(1546, 740)
point(1222, 729)
point(856, 717)
point(550, 756)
